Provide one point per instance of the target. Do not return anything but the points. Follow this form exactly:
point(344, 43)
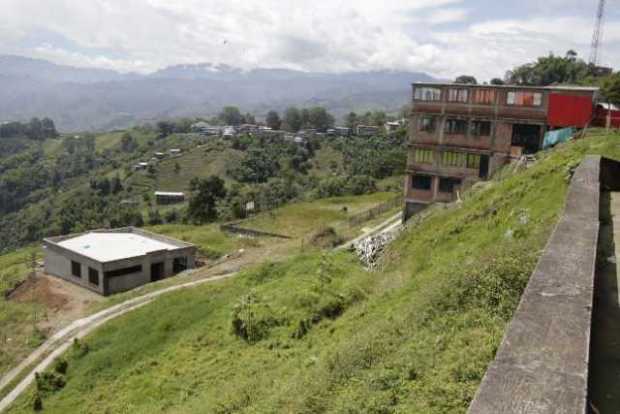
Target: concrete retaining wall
point(542, 363)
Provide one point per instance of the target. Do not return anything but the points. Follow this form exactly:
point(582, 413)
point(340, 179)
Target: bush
point(61, 365)
point(251, 319)
point(49, 381)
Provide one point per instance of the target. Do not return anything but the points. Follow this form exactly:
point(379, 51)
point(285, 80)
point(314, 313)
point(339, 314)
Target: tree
point(177, 167)
point(320, 119)
point(231, 115)
point(204, 195)
point(497, 81)
point(466, 79)
point(48, 128)
point(351, 120)
point(550, 70)
point(292, 119)
point(611, 88)
point(165, 128)
point(273, 120)
point(128, 143)
point(248, 118)
point(378, 118)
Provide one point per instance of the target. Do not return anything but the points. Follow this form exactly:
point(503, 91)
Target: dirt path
point(61, 340)
point(605, 345)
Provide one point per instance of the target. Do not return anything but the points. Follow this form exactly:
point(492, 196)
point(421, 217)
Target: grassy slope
point(17, 336)
point(414, 336)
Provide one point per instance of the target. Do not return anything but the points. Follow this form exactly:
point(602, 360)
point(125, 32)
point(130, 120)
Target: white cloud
point(442, 37)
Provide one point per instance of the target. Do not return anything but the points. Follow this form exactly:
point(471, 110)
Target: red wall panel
point(569, 110)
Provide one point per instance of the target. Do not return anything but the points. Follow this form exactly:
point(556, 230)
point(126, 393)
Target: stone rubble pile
point(369, 249)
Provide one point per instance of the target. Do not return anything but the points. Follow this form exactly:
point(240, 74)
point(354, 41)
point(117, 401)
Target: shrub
point(61, 365)
point(252, 319)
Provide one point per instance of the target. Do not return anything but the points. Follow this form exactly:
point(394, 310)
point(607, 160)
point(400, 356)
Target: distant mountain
point(96, 99)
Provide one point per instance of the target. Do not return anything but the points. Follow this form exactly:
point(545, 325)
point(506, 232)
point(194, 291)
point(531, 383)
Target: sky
point(444, 38)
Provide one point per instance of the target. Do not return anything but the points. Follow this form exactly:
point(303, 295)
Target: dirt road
point(61, 340)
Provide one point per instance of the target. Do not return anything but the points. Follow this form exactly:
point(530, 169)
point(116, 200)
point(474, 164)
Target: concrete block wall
point(542, 364)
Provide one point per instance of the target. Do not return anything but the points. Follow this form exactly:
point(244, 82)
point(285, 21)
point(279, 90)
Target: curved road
point(61, 340)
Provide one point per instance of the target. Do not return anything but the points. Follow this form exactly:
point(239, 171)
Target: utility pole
point(33, 278)
point(597, 36)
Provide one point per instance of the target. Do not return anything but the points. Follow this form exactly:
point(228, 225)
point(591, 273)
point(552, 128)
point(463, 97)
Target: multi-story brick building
point(459, 133)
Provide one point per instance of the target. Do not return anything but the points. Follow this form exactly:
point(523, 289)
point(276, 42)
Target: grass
point(195, 163)
point(300, 219)
point(415, 336)
point(17, 335)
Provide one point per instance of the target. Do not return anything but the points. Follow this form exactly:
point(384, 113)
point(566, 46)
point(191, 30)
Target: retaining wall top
point(542, 363)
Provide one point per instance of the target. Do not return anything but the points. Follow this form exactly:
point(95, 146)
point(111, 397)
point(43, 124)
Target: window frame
point(427, 94)
point(423, 156)
point(486, 93)
point(93, 274)
point(518, 99)
point(473, 161)
point(422, 177)
point(458, 95)
point(432, 121)
point(76, 269)
point(454, 159)
point(478, 132)
point(455, 130)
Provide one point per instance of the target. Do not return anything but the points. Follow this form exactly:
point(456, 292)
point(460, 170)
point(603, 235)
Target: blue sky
point(442, 37)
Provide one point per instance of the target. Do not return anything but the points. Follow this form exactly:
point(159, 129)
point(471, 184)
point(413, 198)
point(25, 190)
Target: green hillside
point(318, 333)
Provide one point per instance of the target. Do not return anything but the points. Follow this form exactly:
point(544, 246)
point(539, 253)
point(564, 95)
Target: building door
point(527, 137)
point(484, 166)
point(157, 271)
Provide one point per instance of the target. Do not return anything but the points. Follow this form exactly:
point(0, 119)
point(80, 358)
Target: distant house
point(175, 151)
point(141, 166)
point(367, 130)
point(342, 131)
point(391, 127)
point(169, 197)
point(229, 132)
point(160, 155)
point(110, 261)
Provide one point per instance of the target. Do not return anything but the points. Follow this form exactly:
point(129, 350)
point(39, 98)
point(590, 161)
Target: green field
point(317, 333)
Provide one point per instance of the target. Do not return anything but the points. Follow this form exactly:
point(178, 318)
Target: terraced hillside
point(318, 333)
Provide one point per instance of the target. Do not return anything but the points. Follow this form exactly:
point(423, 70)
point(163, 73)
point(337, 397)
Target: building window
point(480, 128)
point(93, 276)
point(458, 95)
point(456, 127)
point(421, 182)
point(522, 98)
point(427, 94)
point(427, 124)
point(484, 96)
point(454, 159)
point(447, 185)
point(423, 156)
point(76, 269)
point(123, 272)
point(473, 161)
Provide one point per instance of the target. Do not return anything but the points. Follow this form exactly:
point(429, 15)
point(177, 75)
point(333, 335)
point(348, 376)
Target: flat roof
point(109, 247)
point(169, 193)
point(549, 87)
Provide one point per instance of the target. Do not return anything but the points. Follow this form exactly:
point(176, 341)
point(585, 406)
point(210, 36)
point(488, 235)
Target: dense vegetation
point(53, 186)
point(318, 333)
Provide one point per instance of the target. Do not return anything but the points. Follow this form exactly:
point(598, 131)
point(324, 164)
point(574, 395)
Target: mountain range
point(83, 99)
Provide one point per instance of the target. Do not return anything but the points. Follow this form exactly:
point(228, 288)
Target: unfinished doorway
point(157, 271)
point(527, 137)
point(484, 166)
point(179, 264)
